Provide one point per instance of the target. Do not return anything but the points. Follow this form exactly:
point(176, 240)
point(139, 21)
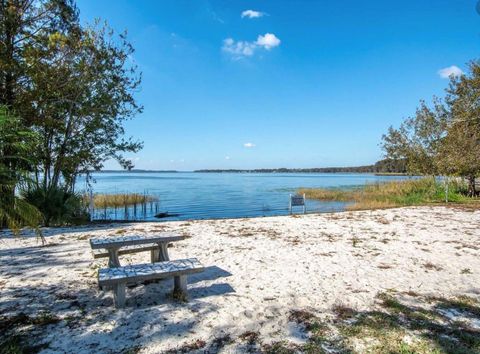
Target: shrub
point(58, 206)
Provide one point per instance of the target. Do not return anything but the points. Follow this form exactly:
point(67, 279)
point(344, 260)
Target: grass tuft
point(250, 337)
point(342, 311)
point(196, 345)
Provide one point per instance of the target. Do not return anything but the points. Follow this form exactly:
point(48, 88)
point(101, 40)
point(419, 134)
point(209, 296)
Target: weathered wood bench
point(117, 278)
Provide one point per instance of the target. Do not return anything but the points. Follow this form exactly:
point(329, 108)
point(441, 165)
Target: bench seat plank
point(148, 271)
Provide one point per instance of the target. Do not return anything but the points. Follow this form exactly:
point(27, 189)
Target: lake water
point(223, 195)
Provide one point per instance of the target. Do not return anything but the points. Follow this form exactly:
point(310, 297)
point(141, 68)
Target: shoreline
point(112, 223)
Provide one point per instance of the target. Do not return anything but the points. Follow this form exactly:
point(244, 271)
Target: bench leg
point(163, 256)
point(180, 287)
point(113, 261)
point(119, 295)
point(154, 255)
point(160, 253)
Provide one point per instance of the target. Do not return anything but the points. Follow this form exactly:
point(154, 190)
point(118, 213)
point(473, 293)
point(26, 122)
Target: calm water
point(224, 195)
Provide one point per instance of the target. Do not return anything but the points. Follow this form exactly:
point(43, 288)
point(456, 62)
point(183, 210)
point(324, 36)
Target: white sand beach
point(257, 272)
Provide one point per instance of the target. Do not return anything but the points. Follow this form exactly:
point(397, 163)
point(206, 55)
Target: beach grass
point(391, 194)
point(121, 200)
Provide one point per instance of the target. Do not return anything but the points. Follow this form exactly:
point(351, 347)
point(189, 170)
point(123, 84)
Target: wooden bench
point(117, 278)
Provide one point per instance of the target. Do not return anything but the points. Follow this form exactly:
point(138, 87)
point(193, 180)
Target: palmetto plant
point(57, 205)
point(16, 143)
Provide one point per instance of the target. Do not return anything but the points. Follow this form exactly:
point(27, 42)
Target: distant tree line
point(65, 91)
point(442, 138)
point(383, 166)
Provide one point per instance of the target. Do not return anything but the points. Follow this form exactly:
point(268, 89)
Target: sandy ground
point(257, 271)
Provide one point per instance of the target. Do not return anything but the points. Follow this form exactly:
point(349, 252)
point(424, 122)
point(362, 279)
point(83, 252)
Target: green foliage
point(16, 145)
point(58, 206)
point(460, 153)
point(418, 139)
point(81, 123)
point(73, 88)
point(443, 139)
point(73, 84)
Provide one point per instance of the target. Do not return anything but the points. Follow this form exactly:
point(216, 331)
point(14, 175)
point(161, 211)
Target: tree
point(390, 166)
point(445, 139)
point(16, 144)
point(418, 140)
point(22, 22)
point(460, 153)
point(73, 85)
point(82, 95)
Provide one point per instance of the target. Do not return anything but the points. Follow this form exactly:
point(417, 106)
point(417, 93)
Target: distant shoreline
point(137, 171)
point(308, 170)
point(380, 168)
point(326, 170)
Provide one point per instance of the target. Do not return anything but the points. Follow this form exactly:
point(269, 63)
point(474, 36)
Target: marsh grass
point(121, 200)
point(393, 194)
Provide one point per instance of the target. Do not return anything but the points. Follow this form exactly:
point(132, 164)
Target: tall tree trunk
point(57, 166)
point(471, 186)
point(10, 27)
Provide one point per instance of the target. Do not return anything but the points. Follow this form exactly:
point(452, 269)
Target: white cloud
point(252, 14)
point(238, 49)
point(268, 41)
point(453, 70)
point(242, 49)
point(227, 157)
point(249, 145)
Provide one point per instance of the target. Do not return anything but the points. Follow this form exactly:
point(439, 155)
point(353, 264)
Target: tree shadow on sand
point(43, 261)
point(440, 324)
point(401, 323)
point(77, 314)
point(48, 232)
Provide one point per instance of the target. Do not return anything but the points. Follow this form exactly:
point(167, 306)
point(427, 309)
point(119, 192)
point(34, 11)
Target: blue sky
point(288, 83)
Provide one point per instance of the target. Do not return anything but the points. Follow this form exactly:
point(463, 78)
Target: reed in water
point(121, 200)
